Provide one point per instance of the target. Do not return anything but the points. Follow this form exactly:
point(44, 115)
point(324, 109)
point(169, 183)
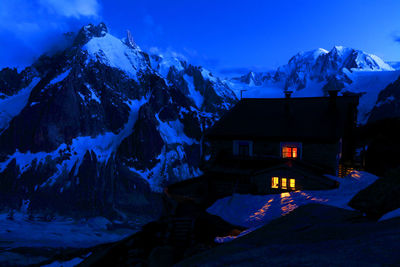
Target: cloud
point(169, 52)
point(38, 26)
point(148, 20)
point(153, 32)
point(191, 56)
point(72, 8)
point(396, 36)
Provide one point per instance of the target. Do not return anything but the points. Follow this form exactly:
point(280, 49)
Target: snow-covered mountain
point(98, 126)
point(388, 103)
point(315, 72)
point(394, 64)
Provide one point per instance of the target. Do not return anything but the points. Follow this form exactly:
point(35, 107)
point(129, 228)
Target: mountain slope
point(102, 124)
point(388, 103)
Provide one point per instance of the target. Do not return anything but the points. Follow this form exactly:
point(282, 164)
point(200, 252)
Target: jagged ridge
point(106, 117)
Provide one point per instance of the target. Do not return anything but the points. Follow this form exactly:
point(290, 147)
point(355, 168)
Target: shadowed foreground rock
point(165, 242)
point(380, 197)
point(312, 235)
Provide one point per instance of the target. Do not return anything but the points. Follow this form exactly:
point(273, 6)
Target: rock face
point(380, 197)
point(99, 126)
point(388, 103)
point(382, 143)
point(309, 236)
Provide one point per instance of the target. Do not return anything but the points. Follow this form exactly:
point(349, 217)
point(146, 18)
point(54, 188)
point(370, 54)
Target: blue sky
point(221, 35)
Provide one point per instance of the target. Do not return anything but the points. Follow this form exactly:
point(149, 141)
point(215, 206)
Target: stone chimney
point(333, 98)
point(333, 93)
point(288, 94)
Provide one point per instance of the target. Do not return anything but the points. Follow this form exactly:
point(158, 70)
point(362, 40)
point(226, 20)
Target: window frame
point(292, 186)
point(275, 183)
point(237, 144)
point(291, 145)
point(284, 183)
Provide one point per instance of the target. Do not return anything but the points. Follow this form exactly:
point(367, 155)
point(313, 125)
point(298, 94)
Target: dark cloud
point(13, 52)
point(189, 55)
point(29, 28)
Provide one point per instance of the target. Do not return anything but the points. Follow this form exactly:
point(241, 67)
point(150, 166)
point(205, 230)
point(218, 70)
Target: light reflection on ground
point(287, 203)
point(258, 215)
point(254, 211)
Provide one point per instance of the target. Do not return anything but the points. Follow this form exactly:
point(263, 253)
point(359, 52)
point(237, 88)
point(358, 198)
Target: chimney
point(333, 93)
point(287, 104)
point(288, 94)
point(332, 98)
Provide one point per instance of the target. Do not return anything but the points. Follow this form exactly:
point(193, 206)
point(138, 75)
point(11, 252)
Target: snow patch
point(115, 53)
point(158, 175)
point(371, 83)
point(164, 63)
point(70, 263)
point(93, 95)
point(60, 232)
point(11, 106)
point(193, 93)
point(102, 145)
point(60, 77)
point(393, 214)
point(386, 101)
point(172, 132)
point(253, 211)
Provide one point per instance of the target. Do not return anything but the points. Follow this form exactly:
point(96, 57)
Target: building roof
point(235, 167)
point(287, 119)
point(257, 164)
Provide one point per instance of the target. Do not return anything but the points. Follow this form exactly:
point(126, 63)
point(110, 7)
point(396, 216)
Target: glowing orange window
point(294, 152)
point(289, 152)
point(292, 183)
point(284, 183)
point(275, 182)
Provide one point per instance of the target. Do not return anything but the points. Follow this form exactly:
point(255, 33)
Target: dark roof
point(236, 167)
point(287, 119)
point(252, 165)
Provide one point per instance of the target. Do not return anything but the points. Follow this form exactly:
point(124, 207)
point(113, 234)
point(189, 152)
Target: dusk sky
point(221, 35)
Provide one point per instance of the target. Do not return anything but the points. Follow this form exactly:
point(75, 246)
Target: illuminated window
point(284, 183)
point(289, 152)
point(294, 152)
point(292, 183)
point(275, 182)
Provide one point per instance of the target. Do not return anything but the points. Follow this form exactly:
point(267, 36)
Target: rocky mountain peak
point(107, 116)
point(89, 31)
point(338, 49)
point(129, 40)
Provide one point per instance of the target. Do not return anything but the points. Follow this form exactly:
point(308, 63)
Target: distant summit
point(319, 65)
point(315, 72)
